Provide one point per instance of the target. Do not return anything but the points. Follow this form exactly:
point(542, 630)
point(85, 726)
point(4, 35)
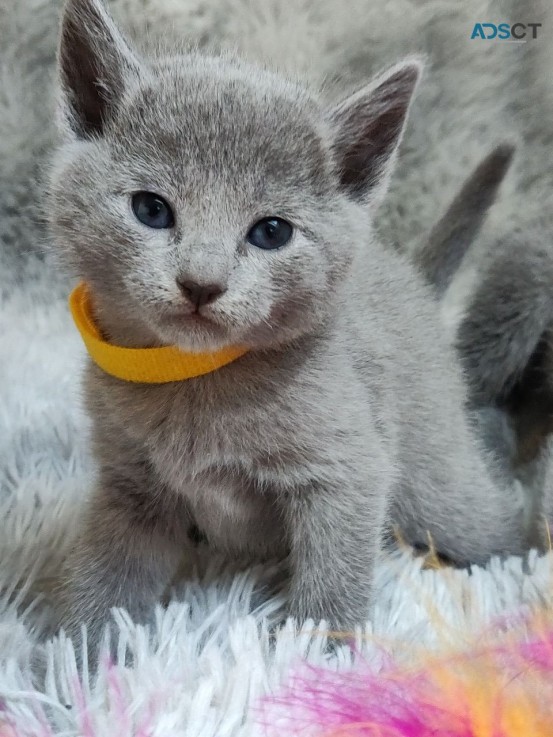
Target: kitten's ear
point(368, 128)
point(95, 63)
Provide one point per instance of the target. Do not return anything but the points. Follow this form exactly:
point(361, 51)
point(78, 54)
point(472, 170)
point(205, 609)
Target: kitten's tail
point(509, 313)
point(441, 254)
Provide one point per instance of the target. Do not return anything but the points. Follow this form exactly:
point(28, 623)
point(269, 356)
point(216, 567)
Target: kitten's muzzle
point(200, 294)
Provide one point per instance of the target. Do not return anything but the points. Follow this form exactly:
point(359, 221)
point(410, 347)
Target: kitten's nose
point(200, 294)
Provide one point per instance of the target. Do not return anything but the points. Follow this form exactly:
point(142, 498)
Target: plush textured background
point(208, 661)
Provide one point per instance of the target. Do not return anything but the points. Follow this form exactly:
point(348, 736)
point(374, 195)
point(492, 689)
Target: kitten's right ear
point(368, 127)
point(95, 63)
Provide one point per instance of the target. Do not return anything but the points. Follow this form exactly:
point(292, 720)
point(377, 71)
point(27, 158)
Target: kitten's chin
point(196, 334)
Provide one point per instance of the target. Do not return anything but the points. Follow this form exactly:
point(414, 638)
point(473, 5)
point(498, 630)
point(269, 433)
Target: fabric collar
point(142, 365)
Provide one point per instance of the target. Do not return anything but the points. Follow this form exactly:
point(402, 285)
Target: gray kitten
point(346, 417)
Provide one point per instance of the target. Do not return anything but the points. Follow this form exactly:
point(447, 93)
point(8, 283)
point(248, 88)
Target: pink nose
point(200, 294)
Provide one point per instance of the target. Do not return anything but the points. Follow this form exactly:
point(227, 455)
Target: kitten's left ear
point(368, 127)
point(95, 64)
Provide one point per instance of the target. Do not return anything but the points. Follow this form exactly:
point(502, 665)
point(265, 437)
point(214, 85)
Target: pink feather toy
point(501, 686)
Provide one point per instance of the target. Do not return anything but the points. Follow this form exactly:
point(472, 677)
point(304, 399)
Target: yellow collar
point(142, 365)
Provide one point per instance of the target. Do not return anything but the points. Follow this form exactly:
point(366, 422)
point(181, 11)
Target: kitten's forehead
point(219, 118)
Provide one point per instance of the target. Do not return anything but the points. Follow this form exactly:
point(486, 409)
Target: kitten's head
point(214, 202)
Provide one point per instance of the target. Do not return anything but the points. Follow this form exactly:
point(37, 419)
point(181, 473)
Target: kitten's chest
point(209, 450)
point(193, 436)
point(271, 425)
point(214, 458)
point(192, 429)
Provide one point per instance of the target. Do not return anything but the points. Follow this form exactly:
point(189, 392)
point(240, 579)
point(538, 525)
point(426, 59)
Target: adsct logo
point(516, 33)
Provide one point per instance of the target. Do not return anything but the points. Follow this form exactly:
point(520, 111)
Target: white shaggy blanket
point(200, 671)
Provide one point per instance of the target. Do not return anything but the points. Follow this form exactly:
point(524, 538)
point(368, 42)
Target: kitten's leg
point(335, 535)
point(451, 501)
point(132, 540)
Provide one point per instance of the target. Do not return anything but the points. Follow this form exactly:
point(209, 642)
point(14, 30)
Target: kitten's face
point(225, 146)
point(223, 154)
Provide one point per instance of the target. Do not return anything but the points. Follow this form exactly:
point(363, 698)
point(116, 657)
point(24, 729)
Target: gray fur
point(504, 343)
point(442, 252)
point(346, 418)
point(503, 336)
point(506, 317)
point(545, 520)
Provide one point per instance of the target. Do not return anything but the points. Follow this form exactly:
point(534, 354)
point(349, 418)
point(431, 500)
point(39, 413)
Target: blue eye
point(152, 210)
point(270, 233)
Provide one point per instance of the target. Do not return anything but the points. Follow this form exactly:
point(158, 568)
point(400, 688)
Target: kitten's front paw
point(270, 590)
